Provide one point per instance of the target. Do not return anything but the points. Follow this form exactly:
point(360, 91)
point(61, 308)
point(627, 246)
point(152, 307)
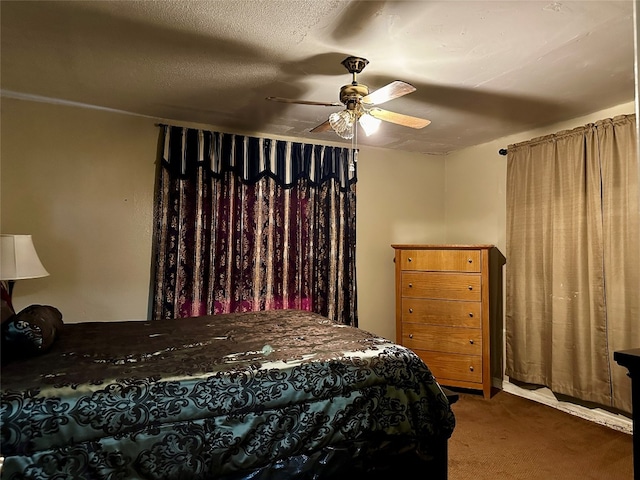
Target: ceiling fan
point(361, 105)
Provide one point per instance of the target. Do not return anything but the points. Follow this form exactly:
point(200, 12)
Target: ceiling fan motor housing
point(353, 93)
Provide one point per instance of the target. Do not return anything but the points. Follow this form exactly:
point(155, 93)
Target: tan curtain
point(573, 261)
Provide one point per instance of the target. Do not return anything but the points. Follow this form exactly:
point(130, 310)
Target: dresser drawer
point(417, 336)
point(457, 313)
point(441, 260)
point(451, 366)
point(450, 286)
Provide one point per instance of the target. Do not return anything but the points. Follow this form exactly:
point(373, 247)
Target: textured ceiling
point(483, 70)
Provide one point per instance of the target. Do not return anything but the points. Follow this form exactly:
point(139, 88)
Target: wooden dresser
point(443, 310)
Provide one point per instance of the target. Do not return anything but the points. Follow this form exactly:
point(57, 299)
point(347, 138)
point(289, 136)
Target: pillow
point(32, 331)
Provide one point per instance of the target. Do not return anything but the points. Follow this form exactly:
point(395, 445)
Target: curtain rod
point(502, 151)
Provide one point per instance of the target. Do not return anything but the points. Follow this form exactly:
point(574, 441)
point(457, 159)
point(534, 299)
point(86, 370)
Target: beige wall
point(81, 182)
point(400, 199)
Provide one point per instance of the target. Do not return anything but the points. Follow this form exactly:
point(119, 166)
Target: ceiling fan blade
point(388, 92)
point(323, 127)
point(304, 102)
point(399, 118)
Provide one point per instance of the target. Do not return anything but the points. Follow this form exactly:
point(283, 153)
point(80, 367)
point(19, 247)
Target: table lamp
point(18, 260)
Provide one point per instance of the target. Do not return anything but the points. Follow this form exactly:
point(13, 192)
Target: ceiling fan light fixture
point(369, 124)
point(361, 106)
point(342, 123)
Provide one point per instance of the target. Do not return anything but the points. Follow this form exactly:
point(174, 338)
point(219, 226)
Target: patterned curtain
point(246, 224)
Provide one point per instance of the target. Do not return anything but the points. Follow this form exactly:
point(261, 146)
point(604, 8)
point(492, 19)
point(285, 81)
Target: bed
point(280, 394)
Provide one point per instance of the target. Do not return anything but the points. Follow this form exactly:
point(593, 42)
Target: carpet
point(510, 437)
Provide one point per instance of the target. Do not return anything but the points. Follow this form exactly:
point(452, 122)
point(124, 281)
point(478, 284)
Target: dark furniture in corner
point(630, 359)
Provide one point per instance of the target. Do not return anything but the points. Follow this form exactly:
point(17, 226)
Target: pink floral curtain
point(246, 224)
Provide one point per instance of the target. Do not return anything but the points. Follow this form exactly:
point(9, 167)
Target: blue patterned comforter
point(212, 397)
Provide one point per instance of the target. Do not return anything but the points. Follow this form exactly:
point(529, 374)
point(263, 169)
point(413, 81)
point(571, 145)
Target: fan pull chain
point(354, 147)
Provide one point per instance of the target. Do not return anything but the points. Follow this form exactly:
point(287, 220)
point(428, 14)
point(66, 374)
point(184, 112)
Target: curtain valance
point(252, 158)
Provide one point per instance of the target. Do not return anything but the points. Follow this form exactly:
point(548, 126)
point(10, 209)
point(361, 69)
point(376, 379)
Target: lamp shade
point(18, 258)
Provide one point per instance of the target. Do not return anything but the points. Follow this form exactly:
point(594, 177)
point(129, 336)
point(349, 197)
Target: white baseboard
point(597, 415)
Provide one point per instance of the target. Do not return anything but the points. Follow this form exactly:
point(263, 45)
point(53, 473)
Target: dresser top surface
point(628, 358)
point(422, 246)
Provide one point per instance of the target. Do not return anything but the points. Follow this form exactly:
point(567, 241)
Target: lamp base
point(6, 290)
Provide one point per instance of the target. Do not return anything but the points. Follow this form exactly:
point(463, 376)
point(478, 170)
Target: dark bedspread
point(212, 396)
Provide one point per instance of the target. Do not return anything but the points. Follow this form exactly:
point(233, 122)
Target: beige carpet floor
point(510, 437)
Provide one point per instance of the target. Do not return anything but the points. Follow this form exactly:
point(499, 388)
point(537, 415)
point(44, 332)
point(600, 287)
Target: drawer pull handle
point(411, 335)
point(409, 259)
point(411, 285)
point(471, 341)
point(411, 310)
point(470, 287)
point(471, 368)
point(470, 315)
point(470, 261)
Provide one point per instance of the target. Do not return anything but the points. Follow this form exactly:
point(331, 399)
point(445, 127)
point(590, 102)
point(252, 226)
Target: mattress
point(243, 395)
